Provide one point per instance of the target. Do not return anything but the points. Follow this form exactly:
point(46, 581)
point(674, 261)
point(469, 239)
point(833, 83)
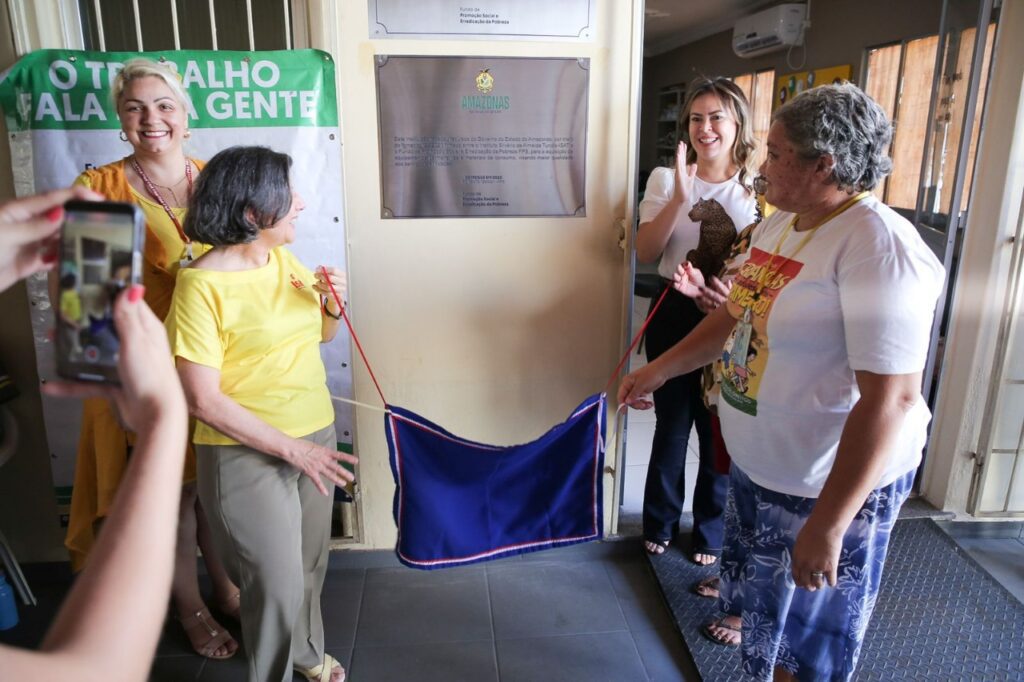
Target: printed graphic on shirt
point(745, 354)
point(717, 234)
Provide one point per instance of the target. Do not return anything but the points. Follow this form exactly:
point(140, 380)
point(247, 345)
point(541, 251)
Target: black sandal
point(695, 553)
point(660, 547)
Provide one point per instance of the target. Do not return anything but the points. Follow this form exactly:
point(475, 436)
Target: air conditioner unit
point(773, 29)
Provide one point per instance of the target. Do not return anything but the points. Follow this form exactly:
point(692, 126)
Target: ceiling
point(671, 23)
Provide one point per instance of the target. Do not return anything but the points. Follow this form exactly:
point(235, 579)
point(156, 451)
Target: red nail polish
point(55, 214)
point(136, 292)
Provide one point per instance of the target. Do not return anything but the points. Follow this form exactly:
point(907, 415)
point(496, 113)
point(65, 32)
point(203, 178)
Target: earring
point(187, 134)
point(124, 138)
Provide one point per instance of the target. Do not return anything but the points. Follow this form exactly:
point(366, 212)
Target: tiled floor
point(578, 614)
point(997, 546)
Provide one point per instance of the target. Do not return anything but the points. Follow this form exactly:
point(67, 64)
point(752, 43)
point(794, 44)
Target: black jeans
point(678, 406)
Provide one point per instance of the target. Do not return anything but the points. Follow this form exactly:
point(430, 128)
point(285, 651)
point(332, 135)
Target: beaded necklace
point(159, 198)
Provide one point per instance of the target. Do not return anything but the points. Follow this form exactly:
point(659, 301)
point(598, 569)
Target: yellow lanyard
point(803, 242)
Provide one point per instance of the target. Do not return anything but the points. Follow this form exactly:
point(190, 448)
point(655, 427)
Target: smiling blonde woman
point(706, 194)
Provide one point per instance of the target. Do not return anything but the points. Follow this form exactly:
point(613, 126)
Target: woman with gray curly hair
point(820, 348)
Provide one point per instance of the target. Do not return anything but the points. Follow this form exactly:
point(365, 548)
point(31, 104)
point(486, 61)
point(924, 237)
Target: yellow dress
point(103, 444)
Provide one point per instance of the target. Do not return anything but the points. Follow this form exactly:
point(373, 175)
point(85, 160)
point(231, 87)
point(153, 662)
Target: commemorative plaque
point(482, 136)
point(482, 19)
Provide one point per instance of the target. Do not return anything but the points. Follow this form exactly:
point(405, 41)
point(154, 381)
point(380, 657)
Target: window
point(899, 77)
point(909, 112)
point(758, 87)
point(883, 77)
point(121, 25)
point(959, 93)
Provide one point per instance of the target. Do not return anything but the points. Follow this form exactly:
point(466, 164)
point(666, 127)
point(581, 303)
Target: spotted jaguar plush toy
point(717, 234)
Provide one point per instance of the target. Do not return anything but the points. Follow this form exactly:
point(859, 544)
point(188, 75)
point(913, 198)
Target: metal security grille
point(131, 25)
point(998, 488)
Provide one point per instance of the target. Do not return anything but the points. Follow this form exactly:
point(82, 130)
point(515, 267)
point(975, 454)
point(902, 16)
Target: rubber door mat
point(939, 616)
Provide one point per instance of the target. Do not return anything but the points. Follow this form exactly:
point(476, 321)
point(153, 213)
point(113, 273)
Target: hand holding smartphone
point(100, 254)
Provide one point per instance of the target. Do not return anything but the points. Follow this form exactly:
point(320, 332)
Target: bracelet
point(327, 312)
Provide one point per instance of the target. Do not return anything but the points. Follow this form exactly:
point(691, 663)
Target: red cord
point(636, 339)
point(352, 332)
point(359, 346)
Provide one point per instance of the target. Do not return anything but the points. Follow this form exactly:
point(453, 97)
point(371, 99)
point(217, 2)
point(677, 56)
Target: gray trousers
point(272, 528)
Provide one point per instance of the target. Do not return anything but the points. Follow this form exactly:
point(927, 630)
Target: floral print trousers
point(813, 635)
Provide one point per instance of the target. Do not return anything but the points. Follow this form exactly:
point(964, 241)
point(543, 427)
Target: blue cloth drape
point(459, 502)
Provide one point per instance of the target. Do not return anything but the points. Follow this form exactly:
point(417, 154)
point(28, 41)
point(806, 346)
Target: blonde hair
point(734, 99)
point(137, 68)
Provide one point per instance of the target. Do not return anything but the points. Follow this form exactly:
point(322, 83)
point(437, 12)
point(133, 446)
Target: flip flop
point(707, 586)
point(322, 672)
point(720, 623)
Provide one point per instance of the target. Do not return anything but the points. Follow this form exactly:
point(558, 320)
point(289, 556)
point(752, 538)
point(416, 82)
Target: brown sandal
point(201, 622)
point(707, 631)
point(707, 588)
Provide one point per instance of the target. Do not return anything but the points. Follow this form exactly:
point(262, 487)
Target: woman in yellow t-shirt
point(245, 324)
point(71, 311)
point(157, 177)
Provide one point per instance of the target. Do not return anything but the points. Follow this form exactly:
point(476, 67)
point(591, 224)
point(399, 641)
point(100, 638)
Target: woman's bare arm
point(108, 627)
point(211, 406)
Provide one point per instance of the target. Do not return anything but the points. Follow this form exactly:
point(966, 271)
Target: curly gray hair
point(844, 122)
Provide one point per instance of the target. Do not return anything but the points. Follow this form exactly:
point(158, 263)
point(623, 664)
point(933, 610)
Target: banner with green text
point(61, 121)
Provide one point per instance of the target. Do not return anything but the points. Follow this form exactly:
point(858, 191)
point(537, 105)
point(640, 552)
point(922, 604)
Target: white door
point(493, 327)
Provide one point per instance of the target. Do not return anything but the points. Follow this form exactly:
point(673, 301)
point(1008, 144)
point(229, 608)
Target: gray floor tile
point(1003, 558)
point(607, 657)
point(556, 598)
point(363, 558)
point(402, 606)
point(444, 662)
point(978, 529)
point(585, 551)
point(176, 668)
point(639, 595)
point(339, 604)
point(664, 655)
point(234, 669)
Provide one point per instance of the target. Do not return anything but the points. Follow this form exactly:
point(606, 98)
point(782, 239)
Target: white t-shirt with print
point(859, 294)
point(737, 201)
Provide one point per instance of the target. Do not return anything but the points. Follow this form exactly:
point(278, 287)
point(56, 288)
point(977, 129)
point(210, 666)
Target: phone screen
point(100, 255)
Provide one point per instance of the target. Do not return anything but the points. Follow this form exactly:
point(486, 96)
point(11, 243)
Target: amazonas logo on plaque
point(485, 81)
point(485, 102)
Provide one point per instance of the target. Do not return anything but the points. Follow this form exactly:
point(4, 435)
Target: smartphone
point(101, 247)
